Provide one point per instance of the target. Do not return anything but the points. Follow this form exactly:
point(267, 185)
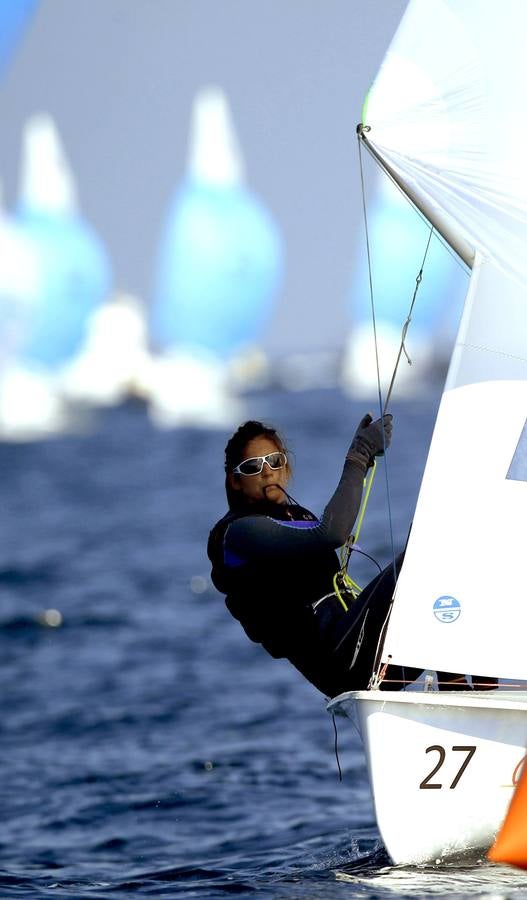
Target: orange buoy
point(510, 845)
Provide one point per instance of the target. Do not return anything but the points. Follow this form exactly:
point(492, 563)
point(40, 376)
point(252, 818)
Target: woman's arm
point(257, 537)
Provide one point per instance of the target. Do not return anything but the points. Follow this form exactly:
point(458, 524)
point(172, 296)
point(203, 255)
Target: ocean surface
point(148, 748)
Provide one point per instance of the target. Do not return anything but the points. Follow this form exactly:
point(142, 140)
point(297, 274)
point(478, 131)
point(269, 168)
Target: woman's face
point(267, 485)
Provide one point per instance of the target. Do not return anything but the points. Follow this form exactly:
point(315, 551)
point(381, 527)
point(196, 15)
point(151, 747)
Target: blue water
point(149, 749)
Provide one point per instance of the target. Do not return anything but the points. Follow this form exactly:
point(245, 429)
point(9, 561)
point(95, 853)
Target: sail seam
point(491, 350)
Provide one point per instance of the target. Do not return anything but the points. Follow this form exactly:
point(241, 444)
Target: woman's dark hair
point(235, 449)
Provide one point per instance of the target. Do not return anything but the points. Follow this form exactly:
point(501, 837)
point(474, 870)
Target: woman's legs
point(357, 641)
point(357, 636)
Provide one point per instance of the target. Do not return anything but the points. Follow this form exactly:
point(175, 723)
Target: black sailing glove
point(368, 440)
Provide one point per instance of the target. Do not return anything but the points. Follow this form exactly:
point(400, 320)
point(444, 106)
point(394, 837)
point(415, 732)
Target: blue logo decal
point(447, 609)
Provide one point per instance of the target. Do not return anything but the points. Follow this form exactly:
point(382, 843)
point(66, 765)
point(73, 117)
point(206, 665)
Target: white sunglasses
point(254, 465)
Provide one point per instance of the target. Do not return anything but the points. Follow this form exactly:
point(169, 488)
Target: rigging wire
point(406, 325)
point(377, 676)
point(374, 322)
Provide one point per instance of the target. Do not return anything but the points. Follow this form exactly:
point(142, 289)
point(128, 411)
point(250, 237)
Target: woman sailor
point(277, 562)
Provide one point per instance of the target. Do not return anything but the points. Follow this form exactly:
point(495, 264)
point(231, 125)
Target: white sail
point(460, 603)
point(448, 112)
point(448, 115)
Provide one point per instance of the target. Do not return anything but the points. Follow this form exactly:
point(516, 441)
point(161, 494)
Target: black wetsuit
point(275, 562)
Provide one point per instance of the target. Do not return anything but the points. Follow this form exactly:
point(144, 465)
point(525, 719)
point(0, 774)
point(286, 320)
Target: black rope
point(367, 555)
point(336, 746)
point(291, 499)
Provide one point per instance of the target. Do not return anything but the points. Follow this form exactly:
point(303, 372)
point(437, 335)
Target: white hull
point(442, 766)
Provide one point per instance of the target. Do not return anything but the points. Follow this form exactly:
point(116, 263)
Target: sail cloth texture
point(448, 114)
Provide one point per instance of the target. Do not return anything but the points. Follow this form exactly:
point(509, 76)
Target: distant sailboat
point(17, 265)
point(447, 119)
point(72, 267)
point(219, 271)
point(60, 280)
point(29, 406)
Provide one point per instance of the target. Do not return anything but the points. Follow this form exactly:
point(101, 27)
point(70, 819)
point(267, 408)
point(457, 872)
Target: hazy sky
point(119, 77)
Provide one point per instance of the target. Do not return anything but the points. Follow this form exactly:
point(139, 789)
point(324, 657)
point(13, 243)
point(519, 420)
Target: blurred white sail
point(114, 362)
point(215, 156)
point(47, 184)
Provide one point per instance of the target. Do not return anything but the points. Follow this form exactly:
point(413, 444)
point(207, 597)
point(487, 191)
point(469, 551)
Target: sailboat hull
point(442, 766)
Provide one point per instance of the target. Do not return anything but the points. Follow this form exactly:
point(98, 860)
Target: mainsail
point(447, 115)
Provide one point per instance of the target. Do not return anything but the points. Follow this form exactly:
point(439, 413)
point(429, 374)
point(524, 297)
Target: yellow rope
point(368, 481)
point(342, 582)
